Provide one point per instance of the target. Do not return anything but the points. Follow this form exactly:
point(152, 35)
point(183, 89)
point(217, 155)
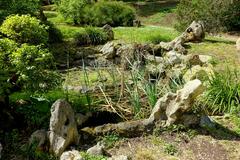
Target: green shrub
point(91, 36)
point(113, 13)
point(73, 9)
point(97, 14)
point(33, 64)
point(25, 29)
point(217, 15)
point(9, 7)
point(223, 93)
point(7, 46)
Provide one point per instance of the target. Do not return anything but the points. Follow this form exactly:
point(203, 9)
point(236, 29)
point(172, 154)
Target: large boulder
point(63, 127)
point(71, 155)
point(238, 44)
point(172, 106)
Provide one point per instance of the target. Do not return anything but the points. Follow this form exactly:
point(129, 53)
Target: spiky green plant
point(223, 93)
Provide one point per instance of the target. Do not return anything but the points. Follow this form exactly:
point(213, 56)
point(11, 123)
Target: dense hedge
point(217, 15)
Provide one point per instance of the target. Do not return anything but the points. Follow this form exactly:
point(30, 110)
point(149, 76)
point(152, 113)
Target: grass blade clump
point(223, 93)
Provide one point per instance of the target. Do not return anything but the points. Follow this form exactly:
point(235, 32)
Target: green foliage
point(87, 156)
point(111, 12)
point(73, 9)
point(7, 46)
point(170, 149)
point(217, 15)
point(33, 65)
point(91, 36)
point(9, 7)
point(223, 93)
point(54, 34)
point(30, 152)
point(110, 140)
point(25, 29)
point(97, 14)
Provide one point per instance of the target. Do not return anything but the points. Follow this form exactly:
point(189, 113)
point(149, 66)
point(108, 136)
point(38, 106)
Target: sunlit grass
point(149, 34)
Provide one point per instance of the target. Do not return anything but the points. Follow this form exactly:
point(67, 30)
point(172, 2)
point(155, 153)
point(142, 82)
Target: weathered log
point(125, 129)
point(194, 33)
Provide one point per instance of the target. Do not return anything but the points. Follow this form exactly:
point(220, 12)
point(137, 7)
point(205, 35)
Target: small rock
point(154, 59)
point(198, 60)
point(121, 157)
point(40, 138)
point(109, 50)
point(97, 150)
point(155, 72)
point(205, 59)
point(137, 23)
point(81, 118)
point(71, 155)
point(206, 121)
point(173, 57)
point(108, 29)
point(201, 73)
point(63, 127)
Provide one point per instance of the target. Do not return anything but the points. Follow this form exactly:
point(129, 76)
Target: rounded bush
point(33, 64)
point(31, 56)
point(25, 29)
point(113, 13)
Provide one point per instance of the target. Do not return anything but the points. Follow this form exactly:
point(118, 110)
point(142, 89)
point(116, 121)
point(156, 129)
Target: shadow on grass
point(149, 8)
point(220, 132)
point(219, 41)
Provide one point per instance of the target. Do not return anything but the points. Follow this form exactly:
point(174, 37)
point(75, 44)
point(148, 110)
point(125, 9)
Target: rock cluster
point(172, 108)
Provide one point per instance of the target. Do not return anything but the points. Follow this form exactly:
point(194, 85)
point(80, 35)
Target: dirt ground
point(197, 144)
